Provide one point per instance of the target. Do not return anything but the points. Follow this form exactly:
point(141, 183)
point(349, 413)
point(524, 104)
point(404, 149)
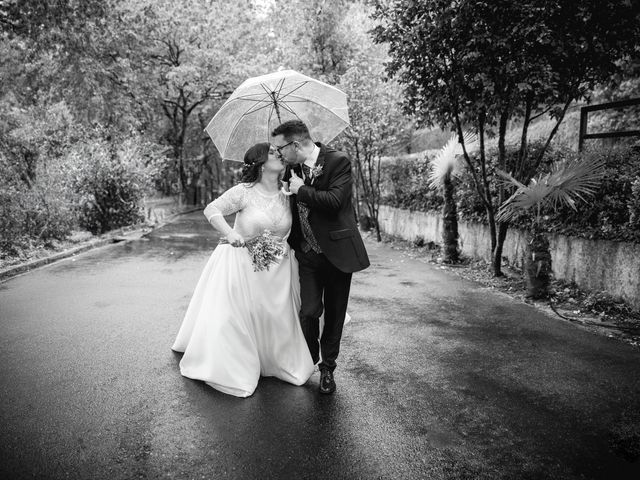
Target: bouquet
point(265, 250)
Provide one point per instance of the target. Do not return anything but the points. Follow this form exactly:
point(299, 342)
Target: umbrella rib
point(298, 101)
point(276, 98)
point(335, 115)
point(263, 99)
point(289, 109)
point(269, 119)
point(298, 87)
point(256, 108)
point(233, 127)
point(276, 94)
point(273, 96)
point(268, 92)
point(258, 97)
point(303, 100)
point(279, 86)
point(271, 93)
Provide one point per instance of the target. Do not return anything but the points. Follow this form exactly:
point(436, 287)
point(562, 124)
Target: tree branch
point(554, 130)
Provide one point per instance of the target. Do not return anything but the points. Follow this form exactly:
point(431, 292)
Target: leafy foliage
point(33, 216)
point(612, 213)
point(567, 182)
point(317, 37)
point(487, 63)
point(405, 185)
point(110, 179)
point(486, 54)
point(377, 125)
point(443, 168)
point(180, 60)
point(35, 195)
point(446, 163)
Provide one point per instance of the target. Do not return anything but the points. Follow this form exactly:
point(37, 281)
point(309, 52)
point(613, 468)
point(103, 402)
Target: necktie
point(307, 173)
point(310, 242)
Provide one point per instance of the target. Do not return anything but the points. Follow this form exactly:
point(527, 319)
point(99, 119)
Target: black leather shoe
point(327, 384)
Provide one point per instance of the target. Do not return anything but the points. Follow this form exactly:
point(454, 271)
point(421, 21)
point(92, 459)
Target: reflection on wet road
point(438, 378)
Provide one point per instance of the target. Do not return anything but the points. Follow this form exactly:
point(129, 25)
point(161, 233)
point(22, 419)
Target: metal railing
point(584, 113)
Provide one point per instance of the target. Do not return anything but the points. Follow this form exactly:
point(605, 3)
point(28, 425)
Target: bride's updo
point(253, 161)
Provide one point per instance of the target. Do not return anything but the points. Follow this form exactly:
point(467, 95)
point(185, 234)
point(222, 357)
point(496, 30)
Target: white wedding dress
point(242, 324)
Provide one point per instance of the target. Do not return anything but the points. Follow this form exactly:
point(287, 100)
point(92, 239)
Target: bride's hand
point(235, 239)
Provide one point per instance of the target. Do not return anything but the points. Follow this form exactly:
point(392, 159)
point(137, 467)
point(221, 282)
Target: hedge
point(613, 213)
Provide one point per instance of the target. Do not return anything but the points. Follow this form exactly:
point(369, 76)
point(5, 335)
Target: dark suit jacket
point(331, 213)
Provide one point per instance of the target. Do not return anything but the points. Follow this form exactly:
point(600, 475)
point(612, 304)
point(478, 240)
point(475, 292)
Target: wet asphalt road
point(438, 378)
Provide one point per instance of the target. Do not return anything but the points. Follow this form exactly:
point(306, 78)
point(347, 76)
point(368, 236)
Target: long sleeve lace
point(231, 201)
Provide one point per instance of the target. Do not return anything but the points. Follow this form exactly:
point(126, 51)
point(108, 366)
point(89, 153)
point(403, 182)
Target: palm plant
point(443, 169)
point(568, 182)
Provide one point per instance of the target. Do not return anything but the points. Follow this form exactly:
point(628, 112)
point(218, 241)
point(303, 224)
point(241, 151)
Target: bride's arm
point(217, 221)
point(229, 202)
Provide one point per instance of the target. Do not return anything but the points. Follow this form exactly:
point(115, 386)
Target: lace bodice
point(256, 211)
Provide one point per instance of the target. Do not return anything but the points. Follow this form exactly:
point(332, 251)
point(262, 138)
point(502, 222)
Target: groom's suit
point(325, 277)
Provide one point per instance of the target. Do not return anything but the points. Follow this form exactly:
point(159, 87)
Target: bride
point(241, 323)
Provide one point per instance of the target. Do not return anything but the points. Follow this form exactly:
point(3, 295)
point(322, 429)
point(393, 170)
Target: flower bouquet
point(265, 250)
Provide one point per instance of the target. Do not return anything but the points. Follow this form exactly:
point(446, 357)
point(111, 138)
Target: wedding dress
point(242, 324)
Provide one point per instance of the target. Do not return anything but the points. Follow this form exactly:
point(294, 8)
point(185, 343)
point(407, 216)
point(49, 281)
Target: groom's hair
point(292, 130)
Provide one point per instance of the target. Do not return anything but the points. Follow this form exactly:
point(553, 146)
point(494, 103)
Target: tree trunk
point(496, 258)
point(376, 224)
point(537, 265)
point(450, 249)
point(497, 252)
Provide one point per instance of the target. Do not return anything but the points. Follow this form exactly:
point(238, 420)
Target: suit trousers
point(322, 288)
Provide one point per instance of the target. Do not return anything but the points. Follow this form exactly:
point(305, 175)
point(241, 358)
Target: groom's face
point(287, 149)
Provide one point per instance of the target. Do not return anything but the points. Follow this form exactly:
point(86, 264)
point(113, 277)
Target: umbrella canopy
point(262, 103)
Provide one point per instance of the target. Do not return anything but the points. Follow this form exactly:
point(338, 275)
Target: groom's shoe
point(327, 384)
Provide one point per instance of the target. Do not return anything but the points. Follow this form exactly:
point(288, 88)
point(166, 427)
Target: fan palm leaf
point(446, 164)
point(567, 182)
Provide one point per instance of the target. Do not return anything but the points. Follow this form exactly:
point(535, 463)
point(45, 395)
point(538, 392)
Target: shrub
point(612, 214)
point(111, 179)
point(33, 215)
point(404, 185)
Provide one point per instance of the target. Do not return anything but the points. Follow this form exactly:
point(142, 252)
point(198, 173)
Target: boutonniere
point(316, 172)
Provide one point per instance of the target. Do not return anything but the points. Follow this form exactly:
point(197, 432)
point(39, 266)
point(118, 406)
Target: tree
point(311, 36)
point(443, 170)
point(329, 40)
point(62, 46)
point(487, 63)
point(188, 58)
point(377, 126)
point(567, 182)
point(44, 77)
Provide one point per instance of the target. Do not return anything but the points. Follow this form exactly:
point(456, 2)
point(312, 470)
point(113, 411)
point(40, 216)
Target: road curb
point(15, 270)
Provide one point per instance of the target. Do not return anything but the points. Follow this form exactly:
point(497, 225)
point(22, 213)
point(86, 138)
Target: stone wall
point(594, 265)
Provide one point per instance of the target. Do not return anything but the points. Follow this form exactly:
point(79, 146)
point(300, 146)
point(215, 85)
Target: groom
point(324, 236)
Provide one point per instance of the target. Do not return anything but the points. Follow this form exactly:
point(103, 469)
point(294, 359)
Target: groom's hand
point(295, 182)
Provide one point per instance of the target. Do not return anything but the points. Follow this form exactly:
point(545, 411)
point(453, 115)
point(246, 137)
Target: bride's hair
point(254, 158)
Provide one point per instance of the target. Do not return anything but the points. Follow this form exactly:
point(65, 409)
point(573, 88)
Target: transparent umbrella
point(261, 103)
